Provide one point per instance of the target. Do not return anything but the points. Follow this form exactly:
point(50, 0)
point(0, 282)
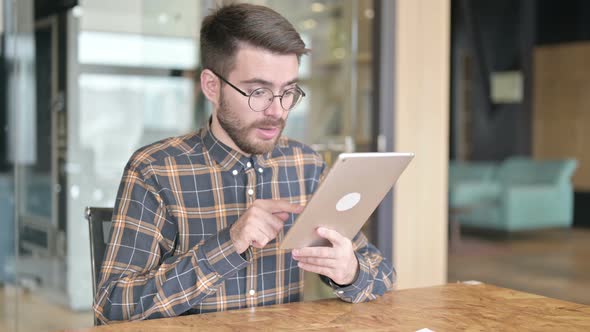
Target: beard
point(239, 132)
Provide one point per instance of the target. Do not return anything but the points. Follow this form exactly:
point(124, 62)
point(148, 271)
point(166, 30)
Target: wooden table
point(453, 307)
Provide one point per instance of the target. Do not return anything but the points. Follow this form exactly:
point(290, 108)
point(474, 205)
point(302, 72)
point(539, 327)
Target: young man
point(199, 218)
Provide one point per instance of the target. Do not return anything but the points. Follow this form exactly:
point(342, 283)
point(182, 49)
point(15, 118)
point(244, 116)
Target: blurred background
point(84, 83)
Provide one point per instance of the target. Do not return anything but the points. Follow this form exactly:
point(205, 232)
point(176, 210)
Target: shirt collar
point(228, 158)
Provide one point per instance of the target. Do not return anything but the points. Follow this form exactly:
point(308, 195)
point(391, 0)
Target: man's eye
point(258, 93)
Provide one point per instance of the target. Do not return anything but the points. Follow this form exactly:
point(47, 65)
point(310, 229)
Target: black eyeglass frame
point(273, 95)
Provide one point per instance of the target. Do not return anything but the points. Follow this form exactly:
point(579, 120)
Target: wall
point(421, 126)
point(507, 32)
point(562, 117)
point(562, 21)
point(487, 37)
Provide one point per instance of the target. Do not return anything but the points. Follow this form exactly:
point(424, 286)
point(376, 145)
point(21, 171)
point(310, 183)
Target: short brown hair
point(259, 26)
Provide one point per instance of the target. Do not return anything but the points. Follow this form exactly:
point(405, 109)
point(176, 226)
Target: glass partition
point(337, 113)
point(88, 85)
point(127, 91)
point(19, 155)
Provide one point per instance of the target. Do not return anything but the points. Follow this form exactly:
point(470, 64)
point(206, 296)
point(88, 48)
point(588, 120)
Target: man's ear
point(210, 86)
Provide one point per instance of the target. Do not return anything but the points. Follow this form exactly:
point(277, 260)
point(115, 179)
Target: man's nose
point(275, 110)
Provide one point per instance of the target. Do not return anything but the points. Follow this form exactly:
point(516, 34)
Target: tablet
point(345, 199)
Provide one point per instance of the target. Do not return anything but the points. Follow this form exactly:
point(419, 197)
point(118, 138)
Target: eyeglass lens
point(262, 98)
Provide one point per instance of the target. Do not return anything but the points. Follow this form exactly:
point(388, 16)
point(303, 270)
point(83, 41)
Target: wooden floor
point(553, 263)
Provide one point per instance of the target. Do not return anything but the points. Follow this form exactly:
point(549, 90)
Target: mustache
point(269, 122)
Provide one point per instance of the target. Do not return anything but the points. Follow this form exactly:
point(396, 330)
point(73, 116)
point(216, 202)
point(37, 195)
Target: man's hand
point(261, 223)
point(338, 263)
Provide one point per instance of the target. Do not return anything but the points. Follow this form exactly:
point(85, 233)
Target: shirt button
point(248, 165)
point(250, 192)
point(260, 170)
point(235, 172)
point(252, 292)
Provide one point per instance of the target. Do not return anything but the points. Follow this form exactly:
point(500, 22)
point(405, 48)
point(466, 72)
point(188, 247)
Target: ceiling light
point(318, 7)
point(77, 11)
point(163, 18)
point(309, 24)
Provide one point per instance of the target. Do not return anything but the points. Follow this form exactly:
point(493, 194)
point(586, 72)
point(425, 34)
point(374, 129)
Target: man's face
point(256, 132)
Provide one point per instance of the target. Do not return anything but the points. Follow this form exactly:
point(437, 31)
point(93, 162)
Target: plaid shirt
point(170, 251)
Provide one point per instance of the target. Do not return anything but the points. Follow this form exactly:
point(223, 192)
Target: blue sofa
point(515, 195)
point(469, 182)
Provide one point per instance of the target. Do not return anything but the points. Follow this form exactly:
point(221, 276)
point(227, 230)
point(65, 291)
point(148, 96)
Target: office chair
point(99, 225)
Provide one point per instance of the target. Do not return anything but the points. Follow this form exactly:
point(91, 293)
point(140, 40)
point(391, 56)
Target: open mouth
point(267, 132)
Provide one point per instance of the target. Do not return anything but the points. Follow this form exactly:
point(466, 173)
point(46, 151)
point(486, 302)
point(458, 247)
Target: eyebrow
point(267, 83)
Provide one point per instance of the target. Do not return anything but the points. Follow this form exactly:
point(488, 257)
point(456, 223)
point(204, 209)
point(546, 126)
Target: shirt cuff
point(349, 292)
point(222, 256)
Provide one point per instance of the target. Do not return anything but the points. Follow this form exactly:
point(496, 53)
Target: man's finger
point(331, 235)
point(282, 215)
point(322, 252)
point(326, 262)
point(275, 222)
point(265, 233)
point(315, 269)
point(277, 205)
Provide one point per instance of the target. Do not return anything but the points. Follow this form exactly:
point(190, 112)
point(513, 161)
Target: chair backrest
point(99, 225)
point(524, 170)
point(471, 171)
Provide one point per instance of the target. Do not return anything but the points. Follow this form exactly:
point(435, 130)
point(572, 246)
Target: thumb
point(282, 215)
point(331, 235)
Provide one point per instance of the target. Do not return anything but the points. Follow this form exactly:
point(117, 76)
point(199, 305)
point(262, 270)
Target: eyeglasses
point(261, 99)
